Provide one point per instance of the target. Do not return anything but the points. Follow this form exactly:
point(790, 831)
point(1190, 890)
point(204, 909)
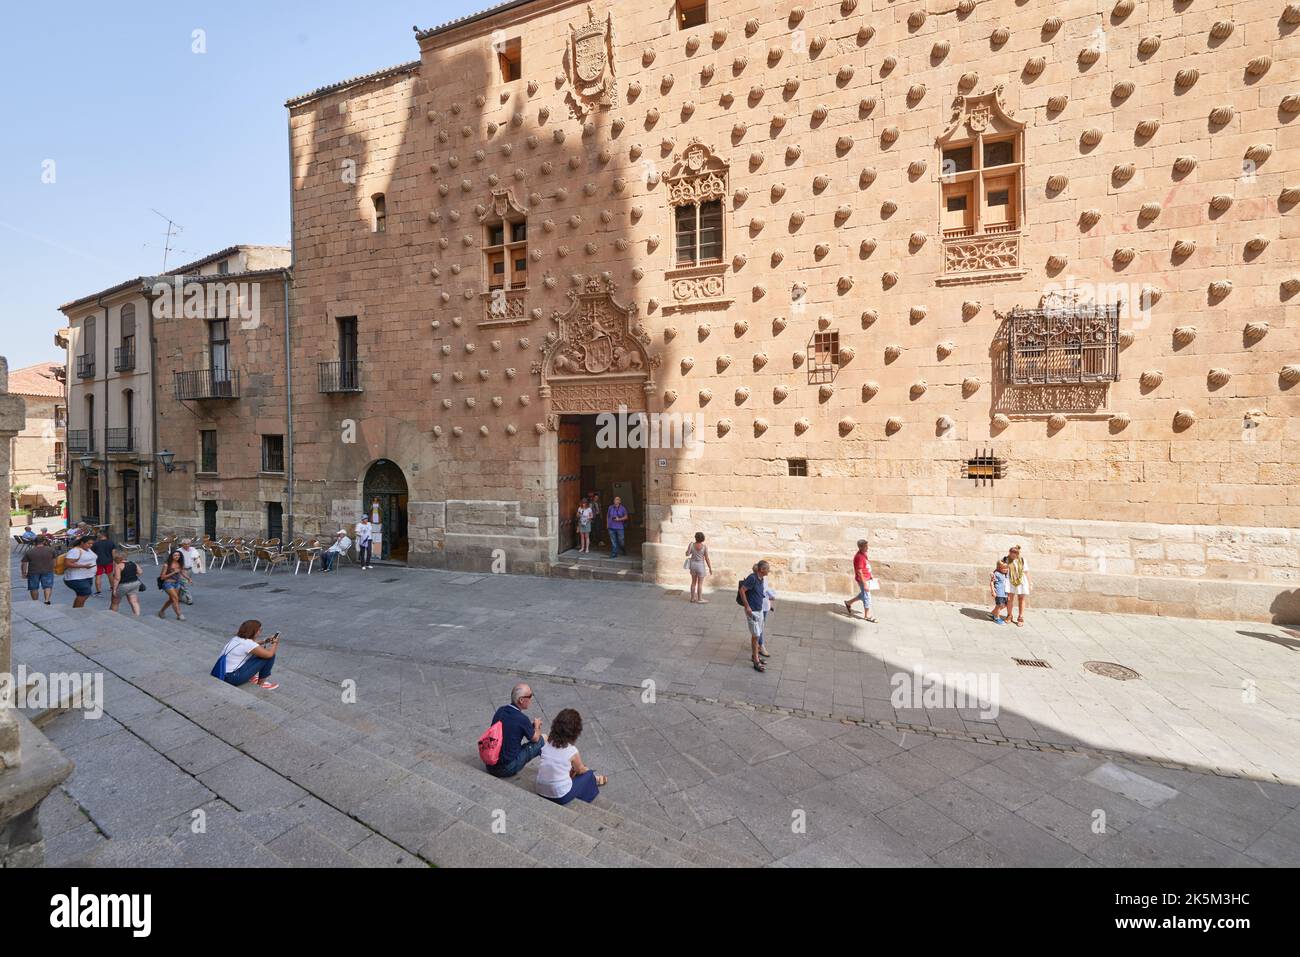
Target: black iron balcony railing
point(1068, 345)
point(340, 376)
point(86, 366)
point(207, 384)
point(81, 440)
point(124, 359)
point(119, 440)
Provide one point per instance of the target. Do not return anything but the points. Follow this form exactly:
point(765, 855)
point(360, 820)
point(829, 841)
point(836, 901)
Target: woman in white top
point(79, 570)
point(561, 775)
point(586, 515)
point(698, 564)
point(249, 660)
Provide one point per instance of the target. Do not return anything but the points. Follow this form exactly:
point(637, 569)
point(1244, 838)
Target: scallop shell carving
point(1220, 288)
point(1255, 331)
point(687, 364)
point(1057, 103)
point(964, 7)
point(1221, 115)
point(1184, 335)
point(1147, 128)
point(893, 424)
point(1149, 211)
point(1186, 78)
point(888, 279)
point(916, 240)
point(1292, 13)
point(1218, 377)
point(1220, 202)
point(760, 426)
point(1120, 421)
point(825, 392)
point(723, 362)
point(1122, 9)
point(915, 93)
point(970, 385)
point(847, 425)
point(917, 313)
point(1057, 421)
point(1123, 89)
point(1184, 248)
point(1257, 244)
point(869, 389)
point(1124, 255)
point(1089, 55)
point(1222, 29)
point(705, 396)
point(892, 352)
point(1057, 182)
point(889, 135)
point(724, 426)
point(1149, 45)
point(1290, 374)
point(1089, 218)
point(1055, 262)
point(1051, 25)
point(944, 349)
point(1259, 153)
point(918, 388)
point(999, 36)
point(1035, 65)
point(1123, 172)
point(1184, 419)
point(1184, 164)
point(970, 308)
point(1259, 65)
point(1152, 378)
point(801, 426)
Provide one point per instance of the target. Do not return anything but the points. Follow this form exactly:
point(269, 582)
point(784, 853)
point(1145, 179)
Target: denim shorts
point(42, 580)
point(1001, 602)
point(82, 586)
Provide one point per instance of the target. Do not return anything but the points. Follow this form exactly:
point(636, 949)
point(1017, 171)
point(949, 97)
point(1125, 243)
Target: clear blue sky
point(134, 120)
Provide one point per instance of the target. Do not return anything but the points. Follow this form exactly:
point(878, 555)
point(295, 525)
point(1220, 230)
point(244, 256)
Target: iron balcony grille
point(86, 367)
point(340, 376)
point(124, 359)
point(207, 384)
point(119, 440)
point(56, 467)
point(1063, 346)
point(81, 440)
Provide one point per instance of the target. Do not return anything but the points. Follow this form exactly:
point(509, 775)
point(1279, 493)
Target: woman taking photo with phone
point(249, 659)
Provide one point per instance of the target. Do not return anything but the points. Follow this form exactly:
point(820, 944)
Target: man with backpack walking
point(512, 738)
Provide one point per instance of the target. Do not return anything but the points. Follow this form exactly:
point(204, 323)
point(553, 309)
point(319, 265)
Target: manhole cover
point(252, 585)
point(1108, 669)
point(1031, 662)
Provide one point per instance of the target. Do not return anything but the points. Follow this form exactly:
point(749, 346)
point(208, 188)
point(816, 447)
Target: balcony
point(86, 366)
point(124, 359)
point(119, 440)
point(81, 440)
point(56, 467)
point(336, 377)
point(203, 384)
point(1063, 346)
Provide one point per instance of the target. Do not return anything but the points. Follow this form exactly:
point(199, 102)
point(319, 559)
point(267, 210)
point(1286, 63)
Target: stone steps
point(415, 785)
point(597, 569)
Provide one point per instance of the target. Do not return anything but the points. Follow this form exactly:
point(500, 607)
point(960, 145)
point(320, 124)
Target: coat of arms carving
point(589, 63)
point(597, 336)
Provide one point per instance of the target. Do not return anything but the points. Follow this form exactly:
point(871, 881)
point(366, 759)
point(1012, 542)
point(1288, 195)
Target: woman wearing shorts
point(585, 516)
point(698, 564)
point(79, 571)
point(173, 574)
point(125, 583)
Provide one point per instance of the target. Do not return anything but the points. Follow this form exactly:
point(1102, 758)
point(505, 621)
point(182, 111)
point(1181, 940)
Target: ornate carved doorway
point(384, 498)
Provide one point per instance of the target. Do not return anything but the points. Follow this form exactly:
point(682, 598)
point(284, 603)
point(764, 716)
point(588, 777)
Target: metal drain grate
point(252, 585)
point(1108, 669)
point(1031, 662)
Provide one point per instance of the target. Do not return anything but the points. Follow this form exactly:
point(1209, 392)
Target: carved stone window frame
point(698, 176)
point(983, 253)
point(504, 304)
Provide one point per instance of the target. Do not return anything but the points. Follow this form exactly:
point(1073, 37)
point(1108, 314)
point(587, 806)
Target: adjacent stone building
point(947, 275)
point(37, 453)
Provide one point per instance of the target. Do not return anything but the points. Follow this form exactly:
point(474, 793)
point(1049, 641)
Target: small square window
point(1000, 197)
point(956, 204)
point(691, 13)
point(510, 55)
point(496, 235)
point(984, 468)
point(959, 159)
point(518, 232)
point(797, 467)
point(273, 453)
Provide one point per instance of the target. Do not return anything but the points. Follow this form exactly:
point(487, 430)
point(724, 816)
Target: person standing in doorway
point(1018, 579)
point(866, 584)
point(751, 597)
point(615, 520)
point(597, 515)
point(365, 538)
point(103, 549)
point(698, 564)
point(79, 570)
point(584, 517)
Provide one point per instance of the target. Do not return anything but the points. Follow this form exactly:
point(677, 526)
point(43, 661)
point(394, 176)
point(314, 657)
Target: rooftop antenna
point(172, 227)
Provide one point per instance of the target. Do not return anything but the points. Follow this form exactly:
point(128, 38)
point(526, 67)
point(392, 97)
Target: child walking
point(998, 587)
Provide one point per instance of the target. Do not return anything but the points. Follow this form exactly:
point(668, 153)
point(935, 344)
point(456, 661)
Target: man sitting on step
point(521, 738)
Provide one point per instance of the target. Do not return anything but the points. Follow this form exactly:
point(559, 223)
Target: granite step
point(300, 733)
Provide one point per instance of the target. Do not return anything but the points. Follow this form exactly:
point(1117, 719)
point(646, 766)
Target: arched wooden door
point(385, 492)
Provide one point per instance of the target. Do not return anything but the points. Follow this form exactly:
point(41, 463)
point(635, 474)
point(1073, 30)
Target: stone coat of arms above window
point(589, 66)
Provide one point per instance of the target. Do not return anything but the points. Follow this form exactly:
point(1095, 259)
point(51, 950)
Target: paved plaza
point(1194, 762)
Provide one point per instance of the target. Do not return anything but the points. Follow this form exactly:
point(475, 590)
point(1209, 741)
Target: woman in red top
point(862, 575)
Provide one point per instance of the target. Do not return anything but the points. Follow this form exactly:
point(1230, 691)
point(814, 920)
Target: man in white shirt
point(342, 545)
point(364, 538)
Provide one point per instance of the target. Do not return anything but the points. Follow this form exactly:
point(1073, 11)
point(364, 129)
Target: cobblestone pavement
point(810, 763)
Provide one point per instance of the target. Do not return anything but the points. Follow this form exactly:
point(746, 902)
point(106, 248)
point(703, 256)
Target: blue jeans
point(253, 666)
point(584, 787)
point(363, 554)
point(328, 560)
point(526, 752)
point(616, 541)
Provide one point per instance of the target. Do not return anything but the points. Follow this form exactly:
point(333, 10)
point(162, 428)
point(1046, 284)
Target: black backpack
point(739, 600)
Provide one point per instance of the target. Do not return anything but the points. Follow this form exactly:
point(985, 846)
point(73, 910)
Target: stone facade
point(901, 185)
point(37, 459)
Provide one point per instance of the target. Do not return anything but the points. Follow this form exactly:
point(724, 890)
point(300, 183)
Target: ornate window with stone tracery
point(696, 188)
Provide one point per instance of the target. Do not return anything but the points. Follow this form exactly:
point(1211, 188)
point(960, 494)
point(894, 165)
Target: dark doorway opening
point(599, 453)
point(384, 498)
point(210, 519)
point(131, 507)
point(274, 520)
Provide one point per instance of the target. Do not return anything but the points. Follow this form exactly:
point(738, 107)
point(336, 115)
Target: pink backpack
point(489, 746)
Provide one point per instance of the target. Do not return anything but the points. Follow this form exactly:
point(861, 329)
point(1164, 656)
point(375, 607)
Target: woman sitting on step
point(562, 776)
point(251, 660)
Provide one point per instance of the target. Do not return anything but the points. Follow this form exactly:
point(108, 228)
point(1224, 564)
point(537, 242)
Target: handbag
point(872, 584)
point(219, 669)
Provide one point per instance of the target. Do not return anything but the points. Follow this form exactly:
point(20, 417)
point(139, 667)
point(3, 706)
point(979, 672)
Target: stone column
point(30, 767)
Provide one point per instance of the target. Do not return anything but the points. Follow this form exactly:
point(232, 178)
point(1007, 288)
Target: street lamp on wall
point(168, 460)
point(87, 462)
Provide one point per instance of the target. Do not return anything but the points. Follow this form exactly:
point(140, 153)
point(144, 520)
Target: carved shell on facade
point(1057, 421)
point(1220, 202)
point(1184, 248)
point(1257, 244)
point(1000, 421)
point(1259, 65)
point(1149, 44)
point(1220, 288)
point(1089, 218)
point(888, 279)
point(724, 361)
point(999, 36)
point(869, 389)
point(1185, 79)
point(966, 82)
point(687, 365)
point(1057, 262)
point(1152, 378)
point(1124, 255)
point(889, 135)
point(915, 93)
point(779, 393)
point(760, 360)
point(1184, 335)
point(1184, 164)
point(1184, 419)
point(1035, 65)
point(1057, 182)
point(1221, 115)
point(1123, 172)
point(1255, 331)
point(970, 385)
point(869, 317)
point(917, 313)
point(867, 176)
point(760, 426)
point(1123, 89)
point(1218, 377)
point(893, 424)
point(944, 349)
point(801, 426)
point(825, 392)
point(1290, 374)
point(1259, 153)
point(892, 352)
point(918, 388)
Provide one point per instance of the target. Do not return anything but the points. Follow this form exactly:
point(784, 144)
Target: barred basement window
point(797, 467)
point(984, 468)
point(273, 453)
point(823, 357)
